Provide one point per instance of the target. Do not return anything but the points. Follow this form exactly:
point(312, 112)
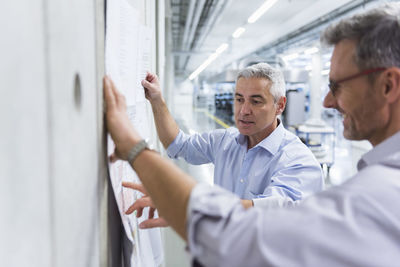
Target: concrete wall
point(53, 185)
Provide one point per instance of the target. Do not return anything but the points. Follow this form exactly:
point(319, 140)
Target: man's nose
point(329, 100)
point(245, 109)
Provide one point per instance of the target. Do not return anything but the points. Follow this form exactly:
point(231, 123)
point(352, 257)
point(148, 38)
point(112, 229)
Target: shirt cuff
point(274, 202)
point(176, 145)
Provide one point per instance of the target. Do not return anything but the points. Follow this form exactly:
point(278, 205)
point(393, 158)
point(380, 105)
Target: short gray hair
point(264, 70)
point(377, 33)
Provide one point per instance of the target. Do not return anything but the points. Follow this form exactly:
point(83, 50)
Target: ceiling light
point(221, 48)
point(261, 10)
point(208, 61)
point(311, 50)
point(238, 32)
point(290, 57)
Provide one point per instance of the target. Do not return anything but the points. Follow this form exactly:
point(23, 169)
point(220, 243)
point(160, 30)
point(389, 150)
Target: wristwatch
point(136, 149)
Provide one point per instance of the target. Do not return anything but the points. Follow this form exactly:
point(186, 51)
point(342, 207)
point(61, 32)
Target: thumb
point(113, 157)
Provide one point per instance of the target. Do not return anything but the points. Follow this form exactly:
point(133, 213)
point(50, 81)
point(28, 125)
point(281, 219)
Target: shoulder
point(293, 147)
point(230, 132)
point(220, 135)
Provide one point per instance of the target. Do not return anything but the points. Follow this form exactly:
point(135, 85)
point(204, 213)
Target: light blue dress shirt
point(355, 224)
point(278, 168)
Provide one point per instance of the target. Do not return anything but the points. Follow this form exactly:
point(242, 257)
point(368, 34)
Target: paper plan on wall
point(122, 34)
point(144, 55)
point(127, 55)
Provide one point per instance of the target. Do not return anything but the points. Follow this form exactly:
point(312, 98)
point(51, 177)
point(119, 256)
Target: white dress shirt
point(354, 224)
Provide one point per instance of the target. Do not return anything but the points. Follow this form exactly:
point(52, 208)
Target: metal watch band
point(136, 149)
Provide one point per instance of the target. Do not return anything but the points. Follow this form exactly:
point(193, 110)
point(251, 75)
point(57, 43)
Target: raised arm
point(166, 126)
point(168, 186)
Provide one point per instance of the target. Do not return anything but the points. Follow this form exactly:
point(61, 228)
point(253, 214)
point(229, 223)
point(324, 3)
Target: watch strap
point(136, 149)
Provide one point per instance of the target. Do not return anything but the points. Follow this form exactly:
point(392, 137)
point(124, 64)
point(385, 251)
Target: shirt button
point(241, 180)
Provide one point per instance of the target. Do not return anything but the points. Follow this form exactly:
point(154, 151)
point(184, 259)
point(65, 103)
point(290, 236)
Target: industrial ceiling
point(199, 27)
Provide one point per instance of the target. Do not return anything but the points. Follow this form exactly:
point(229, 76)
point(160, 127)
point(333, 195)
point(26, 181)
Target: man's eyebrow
point(237, 94)
point(257, 96)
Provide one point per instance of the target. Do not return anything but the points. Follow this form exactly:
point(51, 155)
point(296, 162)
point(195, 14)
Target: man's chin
point(245, 130)
point(349, 135)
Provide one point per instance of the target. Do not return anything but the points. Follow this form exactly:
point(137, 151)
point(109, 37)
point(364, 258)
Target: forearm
point(168, 186)
point(167, 128)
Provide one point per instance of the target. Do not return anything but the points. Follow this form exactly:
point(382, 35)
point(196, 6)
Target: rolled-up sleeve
point(297, 178)
point(217, 229)
point(174, 148)
point(196, 148)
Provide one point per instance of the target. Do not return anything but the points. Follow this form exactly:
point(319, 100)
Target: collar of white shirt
point(381, 152)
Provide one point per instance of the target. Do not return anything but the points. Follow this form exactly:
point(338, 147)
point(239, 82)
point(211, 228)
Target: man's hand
point(151, 86)
point(142, 203)
point(118, 123)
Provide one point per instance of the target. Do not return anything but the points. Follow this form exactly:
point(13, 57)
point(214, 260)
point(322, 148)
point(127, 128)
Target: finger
point(151, 223)
point(151, 213)
point(149, 85)
point(153, 79)
point(145, 84)
point(108, 93)
point(119, 98)
point(139, 204)
point(135, 186)
point(132, 208)
point(113, 157)
point(139, 212)
point(149, 76)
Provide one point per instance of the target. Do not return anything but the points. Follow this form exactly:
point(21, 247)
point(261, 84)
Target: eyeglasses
point(334, 85)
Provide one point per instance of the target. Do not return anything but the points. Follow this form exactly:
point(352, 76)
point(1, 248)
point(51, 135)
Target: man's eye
point(256, 102)
point(240, 100)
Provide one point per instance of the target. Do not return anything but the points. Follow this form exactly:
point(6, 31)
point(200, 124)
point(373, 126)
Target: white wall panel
point(25, 223)
point(73, 141)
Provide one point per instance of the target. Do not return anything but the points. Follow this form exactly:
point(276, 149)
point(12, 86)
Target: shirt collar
point(380, 152)
point(270, 143)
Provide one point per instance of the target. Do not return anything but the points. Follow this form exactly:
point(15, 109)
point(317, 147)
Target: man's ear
point(392, 84)
point(280, 105)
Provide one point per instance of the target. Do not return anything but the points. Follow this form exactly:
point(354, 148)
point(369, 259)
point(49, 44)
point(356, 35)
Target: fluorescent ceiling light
point(311, 50)
point(325, 72)
point(290, 57)
point(208, 61)
point(221, 48)
point(238, 32)
point(261, 10)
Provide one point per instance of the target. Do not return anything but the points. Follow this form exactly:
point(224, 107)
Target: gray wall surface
point(57, 207)
point(53, 176)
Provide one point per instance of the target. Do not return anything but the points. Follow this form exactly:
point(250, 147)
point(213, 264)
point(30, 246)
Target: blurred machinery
point(297, 103)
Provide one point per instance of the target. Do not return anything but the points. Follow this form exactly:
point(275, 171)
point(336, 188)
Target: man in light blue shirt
point(354, 224)
point(260, 161)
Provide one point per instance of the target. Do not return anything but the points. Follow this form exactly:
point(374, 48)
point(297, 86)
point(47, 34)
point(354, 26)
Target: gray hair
point(264, 70)
point(377, 33)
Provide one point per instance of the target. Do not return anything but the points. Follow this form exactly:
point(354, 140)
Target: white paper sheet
point(121, 47)
point(128, 55)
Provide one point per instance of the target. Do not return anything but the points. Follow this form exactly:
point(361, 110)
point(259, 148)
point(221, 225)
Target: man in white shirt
point(355, 224)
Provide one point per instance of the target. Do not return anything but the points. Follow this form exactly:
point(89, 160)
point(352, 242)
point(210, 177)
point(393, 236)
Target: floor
point(199, 117)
